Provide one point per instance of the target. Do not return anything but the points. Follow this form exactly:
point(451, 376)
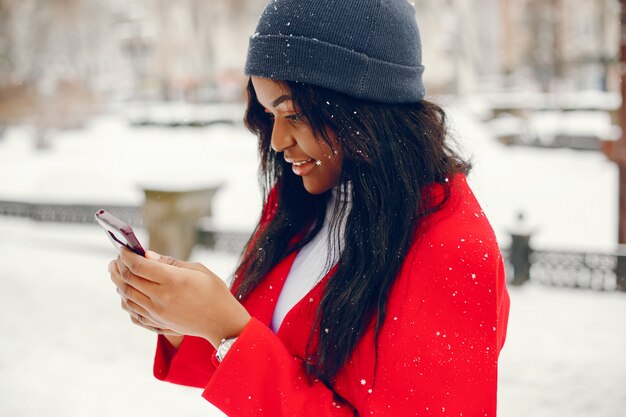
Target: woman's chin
point(315, 187)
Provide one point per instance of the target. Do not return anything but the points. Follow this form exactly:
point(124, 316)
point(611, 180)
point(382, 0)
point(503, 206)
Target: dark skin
point(293, 137)
point(177, 298)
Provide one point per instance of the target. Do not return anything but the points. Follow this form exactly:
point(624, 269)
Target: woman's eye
point(294, 117)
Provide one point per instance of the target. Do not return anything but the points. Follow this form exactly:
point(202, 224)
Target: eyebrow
point(281, 99)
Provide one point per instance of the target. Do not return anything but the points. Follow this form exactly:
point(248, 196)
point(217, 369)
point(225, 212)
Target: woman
point(373, 283)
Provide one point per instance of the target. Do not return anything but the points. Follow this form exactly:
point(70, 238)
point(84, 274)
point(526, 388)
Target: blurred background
point(136, 106)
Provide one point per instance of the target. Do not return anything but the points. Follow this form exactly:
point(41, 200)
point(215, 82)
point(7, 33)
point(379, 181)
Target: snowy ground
point(67, 349)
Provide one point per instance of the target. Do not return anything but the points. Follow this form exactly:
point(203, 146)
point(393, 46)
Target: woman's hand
point(174, 297)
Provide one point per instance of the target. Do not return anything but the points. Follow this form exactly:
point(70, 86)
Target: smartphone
point(119, 233)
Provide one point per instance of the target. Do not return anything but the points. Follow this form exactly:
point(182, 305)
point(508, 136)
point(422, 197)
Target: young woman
point(373, 283)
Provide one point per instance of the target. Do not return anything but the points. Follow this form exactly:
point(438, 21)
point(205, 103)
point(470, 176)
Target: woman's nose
point(281, 138)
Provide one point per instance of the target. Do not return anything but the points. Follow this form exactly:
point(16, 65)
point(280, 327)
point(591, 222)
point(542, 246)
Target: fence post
point(520, 253)
point(520, 258)
point(620, 268)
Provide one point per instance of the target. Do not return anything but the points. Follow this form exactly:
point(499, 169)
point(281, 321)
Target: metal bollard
point(520, 254)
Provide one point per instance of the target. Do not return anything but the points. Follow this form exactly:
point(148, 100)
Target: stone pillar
point(171, 219)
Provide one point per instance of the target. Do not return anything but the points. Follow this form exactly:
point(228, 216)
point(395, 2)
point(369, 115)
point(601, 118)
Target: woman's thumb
point(175, 262)
point(153, 255)
point(164, 259)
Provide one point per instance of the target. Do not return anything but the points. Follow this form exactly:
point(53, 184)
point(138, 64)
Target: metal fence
point(68, 213)
point(227, 241)
point(598, 271)
point(572, 269)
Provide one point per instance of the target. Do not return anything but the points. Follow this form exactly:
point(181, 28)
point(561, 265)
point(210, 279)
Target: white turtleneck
point(312, 262)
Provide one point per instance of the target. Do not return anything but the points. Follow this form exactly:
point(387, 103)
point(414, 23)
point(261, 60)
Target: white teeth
point(299, 164)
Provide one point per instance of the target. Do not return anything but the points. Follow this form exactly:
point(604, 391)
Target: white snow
point(110, 162)
point(555, 189)
point(564, 354)
point(528, 99)
point(67, 349)
point(548, 124)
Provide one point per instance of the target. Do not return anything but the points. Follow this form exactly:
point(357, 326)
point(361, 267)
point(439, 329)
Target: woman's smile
point(303, 167)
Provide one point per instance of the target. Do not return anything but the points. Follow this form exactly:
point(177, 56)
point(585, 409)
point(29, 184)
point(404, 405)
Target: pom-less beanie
point(368, 49)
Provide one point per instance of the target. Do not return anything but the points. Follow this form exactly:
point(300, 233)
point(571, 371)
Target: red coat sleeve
point(192, 364)
point(260, 377)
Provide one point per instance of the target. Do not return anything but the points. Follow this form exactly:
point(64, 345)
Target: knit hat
point(368, 49)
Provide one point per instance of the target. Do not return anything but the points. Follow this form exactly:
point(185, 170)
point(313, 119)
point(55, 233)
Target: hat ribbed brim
point(307, 60)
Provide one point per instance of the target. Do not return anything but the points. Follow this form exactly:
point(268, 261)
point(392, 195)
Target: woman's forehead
point(271, 93)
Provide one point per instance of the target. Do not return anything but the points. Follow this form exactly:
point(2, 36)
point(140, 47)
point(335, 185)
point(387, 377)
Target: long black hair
point(390, 153)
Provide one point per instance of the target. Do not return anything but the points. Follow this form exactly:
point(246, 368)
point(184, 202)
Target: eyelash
point(296, 117)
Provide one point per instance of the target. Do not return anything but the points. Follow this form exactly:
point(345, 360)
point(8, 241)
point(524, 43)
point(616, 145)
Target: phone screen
point(119, 233)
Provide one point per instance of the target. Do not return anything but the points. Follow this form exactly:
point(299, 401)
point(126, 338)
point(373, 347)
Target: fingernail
point(152, 255)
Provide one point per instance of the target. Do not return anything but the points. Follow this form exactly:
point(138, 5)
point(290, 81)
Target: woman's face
point(310, 157)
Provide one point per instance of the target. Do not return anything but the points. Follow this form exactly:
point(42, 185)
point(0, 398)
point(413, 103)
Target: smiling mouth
point(299, 164)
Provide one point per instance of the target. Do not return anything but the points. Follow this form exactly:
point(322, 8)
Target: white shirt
point(313, 261)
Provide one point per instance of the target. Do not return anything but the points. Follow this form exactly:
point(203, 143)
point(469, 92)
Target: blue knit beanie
point(368, 49)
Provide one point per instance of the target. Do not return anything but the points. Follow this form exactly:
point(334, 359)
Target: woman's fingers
point(148, 269)
point(133, 301)
point(141, 317)
point(143, 285)
point(141, 323)
point(146, 324)
point(125, 286)
point(157, 268)
point(133, 308)
point(168, 260)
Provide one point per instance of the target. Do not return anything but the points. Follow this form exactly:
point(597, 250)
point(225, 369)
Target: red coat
point(437, 352)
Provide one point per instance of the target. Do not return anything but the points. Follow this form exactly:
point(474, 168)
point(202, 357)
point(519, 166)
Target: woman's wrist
point(230, 333)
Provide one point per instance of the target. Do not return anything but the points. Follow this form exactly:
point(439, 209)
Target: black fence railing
point(572, 269)
point(227, 241)
point(598, 271)
point(69, 213)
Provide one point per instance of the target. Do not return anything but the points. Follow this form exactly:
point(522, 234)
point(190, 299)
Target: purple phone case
point(120, 233)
